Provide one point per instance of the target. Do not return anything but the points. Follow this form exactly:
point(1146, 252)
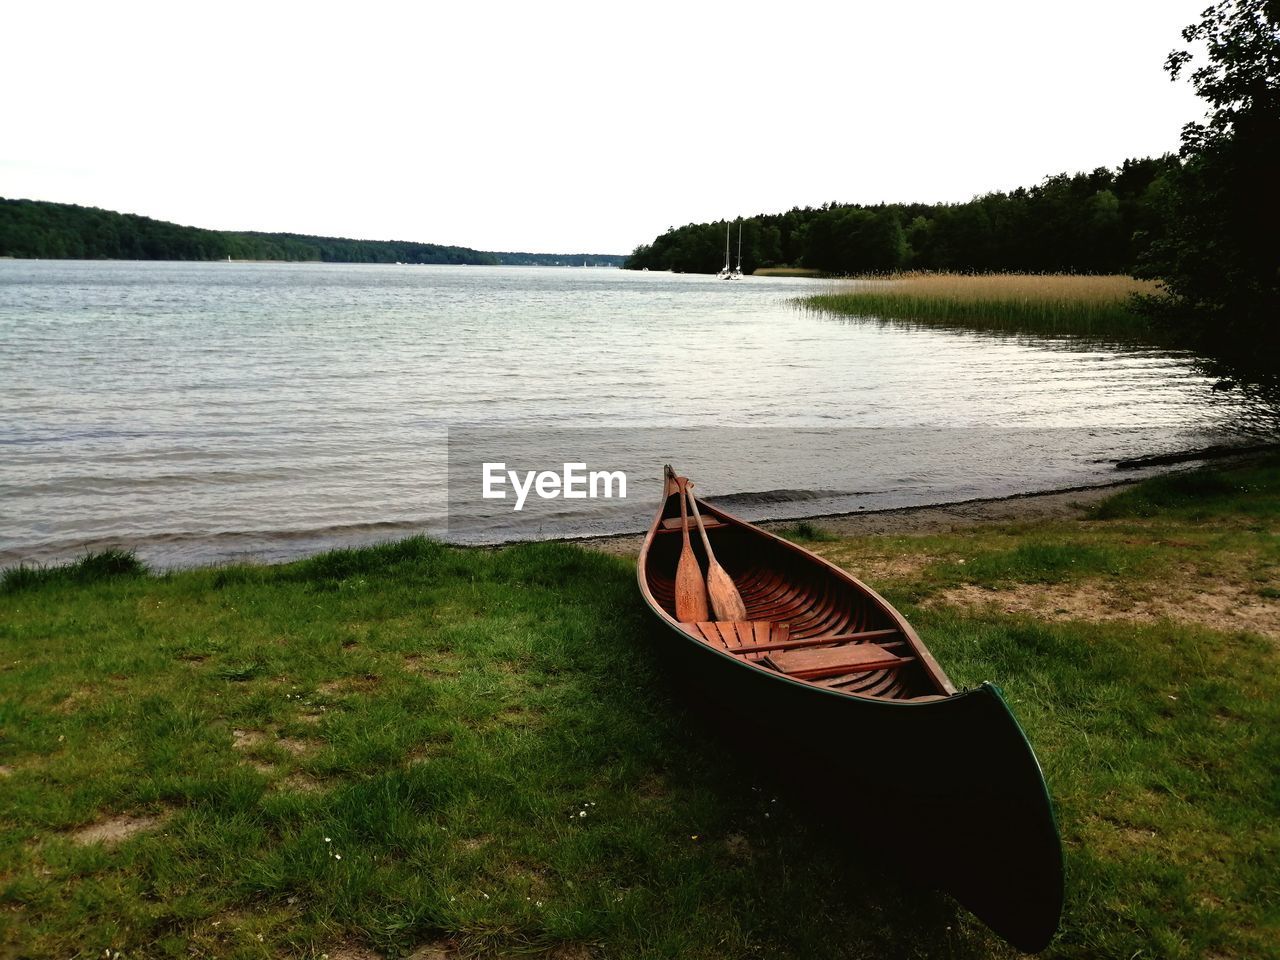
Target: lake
point(217, 411)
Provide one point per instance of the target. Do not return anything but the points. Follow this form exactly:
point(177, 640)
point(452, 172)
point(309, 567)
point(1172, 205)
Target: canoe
point(826, 681)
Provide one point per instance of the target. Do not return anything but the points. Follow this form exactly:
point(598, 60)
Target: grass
point(1046, 304)
point(477, 750)
point(805, 531)
point(88, 569)
point(786, 272)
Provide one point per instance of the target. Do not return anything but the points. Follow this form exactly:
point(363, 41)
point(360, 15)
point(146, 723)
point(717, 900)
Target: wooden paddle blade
point(726, 601)
point(691, 589)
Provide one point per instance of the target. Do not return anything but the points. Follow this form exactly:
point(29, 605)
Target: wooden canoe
point(830, 684)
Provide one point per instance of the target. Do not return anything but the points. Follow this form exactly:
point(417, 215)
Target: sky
point(568, 127)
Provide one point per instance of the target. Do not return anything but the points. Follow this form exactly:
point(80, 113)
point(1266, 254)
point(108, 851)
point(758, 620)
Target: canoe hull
point(955, 788)
point(948, 778)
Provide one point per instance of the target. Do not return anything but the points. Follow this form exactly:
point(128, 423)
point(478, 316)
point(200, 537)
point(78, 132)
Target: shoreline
point(1059, 504)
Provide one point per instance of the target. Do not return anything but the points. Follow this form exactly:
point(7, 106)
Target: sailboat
point(737, 271)
point(725, 273)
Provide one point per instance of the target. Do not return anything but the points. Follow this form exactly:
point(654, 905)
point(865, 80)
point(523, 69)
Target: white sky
point(566, 127)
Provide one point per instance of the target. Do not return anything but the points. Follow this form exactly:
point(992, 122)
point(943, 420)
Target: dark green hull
point(955, 788)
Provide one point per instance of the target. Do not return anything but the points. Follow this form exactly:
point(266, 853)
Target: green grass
point(806, 532)
point(1251, 491)
point(90, 568)
point(444, 717)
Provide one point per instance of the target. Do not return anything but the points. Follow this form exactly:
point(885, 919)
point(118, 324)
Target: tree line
point(1098, 222)
point(64, 231)
point(1202, 222)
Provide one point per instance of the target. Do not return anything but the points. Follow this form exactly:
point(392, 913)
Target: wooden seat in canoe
point(816, 663)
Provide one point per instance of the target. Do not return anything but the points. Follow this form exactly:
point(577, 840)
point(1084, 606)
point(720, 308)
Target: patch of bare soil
point(345, 686)
point(569, 951)
point(439, 663)
point(1224, 606)
point(253, 741)
point(351, 951)
point(301, 783)
point(436, 950)
point(873, 568)
point(247, 739)
point(115, 830)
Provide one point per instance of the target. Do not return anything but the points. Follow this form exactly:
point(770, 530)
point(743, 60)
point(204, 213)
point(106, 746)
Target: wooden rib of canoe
point(829, 683)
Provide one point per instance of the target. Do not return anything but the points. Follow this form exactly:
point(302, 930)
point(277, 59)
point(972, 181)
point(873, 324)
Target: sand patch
point(351, 951)
point(301, 783)
point(346, 686)
point(247, 739)
point(1223, 606)
point(6, 770)
point(76, 699)
point(436, 950)
point(569, 951)
point(115, 830)
point(255, 742)
point(436, 665)
point(873, 568)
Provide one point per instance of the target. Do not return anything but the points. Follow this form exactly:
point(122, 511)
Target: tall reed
point(1053, 304)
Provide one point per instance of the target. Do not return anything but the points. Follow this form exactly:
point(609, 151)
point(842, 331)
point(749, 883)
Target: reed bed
point(1053, 304)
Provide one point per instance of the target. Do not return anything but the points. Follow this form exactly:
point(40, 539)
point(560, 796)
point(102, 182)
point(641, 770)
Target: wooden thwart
point(785, 644)
point(673, 525)
point(808, 658)
point(814, 663)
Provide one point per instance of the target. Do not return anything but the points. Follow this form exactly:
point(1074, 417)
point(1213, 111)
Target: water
point(205, 412)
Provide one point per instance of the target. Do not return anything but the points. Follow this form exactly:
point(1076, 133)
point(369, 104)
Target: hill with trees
point(1099, 222)
point(61, 231)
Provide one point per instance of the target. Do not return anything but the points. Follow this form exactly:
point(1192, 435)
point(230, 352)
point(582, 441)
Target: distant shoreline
point(319, 263)
point(41, 230)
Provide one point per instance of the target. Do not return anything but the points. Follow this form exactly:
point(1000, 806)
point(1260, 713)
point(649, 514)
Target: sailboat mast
point(739, 246)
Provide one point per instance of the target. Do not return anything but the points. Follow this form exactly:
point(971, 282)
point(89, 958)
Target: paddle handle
point(682, 484)
point(711, 557)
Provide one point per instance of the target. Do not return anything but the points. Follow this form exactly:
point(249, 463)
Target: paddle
point(691, 589)
point(725, 599)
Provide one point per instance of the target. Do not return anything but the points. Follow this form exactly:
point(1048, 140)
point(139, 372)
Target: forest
point(64, 231)
point(1098, 222)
